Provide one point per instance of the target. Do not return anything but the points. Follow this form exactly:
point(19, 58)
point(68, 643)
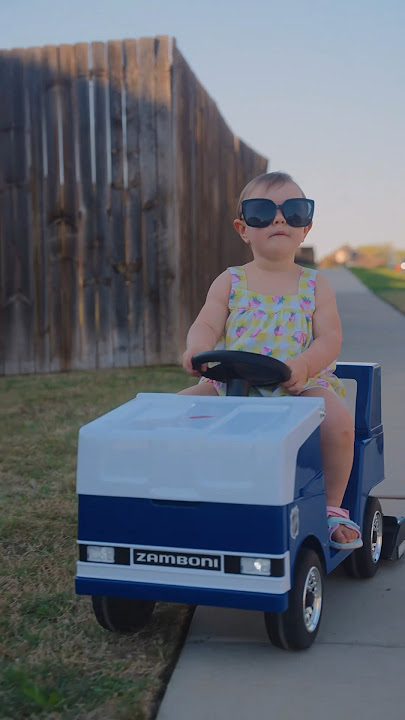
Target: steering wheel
point(250, 368)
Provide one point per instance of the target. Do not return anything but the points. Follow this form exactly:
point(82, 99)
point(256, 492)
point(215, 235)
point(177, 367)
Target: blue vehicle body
point(214, 535)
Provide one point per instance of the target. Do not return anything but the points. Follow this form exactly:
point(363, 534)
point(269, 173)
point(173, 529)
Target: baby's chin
point(275, 253)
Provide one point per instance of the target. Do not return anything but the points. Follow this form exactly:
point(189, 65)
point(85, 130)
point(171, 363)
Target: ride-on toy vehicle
point(220, 500)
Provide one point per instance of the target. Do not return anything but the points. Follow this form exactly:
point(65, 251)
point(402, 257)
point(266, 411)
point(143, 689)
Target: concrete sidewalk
point(229, 670)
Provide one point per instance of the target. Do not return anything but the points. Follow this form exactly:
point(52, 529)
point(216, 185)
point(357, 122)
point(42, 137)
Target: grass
point(388, 284)
point(55, 660)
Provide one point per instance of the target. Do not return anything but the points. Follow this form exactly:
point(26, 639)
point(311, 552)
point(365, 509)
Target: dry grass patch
point(55, 660)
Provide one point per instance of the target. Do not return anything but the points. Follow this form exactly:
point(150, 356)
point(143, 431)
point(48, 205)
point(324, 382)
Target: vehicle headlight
point(255, 566)
point(99, 553)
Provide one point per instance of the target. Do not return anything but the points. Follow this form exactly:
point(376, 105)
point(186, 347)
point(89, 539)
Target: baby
point(274, 307)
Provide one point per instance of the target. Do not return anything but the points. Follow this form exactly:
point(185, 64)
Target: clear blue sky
point(316, 86)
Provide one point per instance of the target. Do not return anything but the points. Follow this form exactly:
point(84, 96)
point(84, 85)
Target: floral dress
point(276, 325)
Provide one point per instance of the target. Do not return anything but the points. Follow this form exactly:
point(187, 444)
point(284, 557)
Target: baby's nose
point(279, 217)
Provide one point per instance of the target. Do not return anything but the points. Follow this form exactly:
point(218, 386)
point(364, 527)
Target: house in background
point(347, 256)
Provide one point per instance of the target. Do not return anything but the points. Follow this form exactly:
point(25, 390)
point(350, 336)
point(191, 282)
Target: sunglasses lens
point(259, 212)
point(298, 212)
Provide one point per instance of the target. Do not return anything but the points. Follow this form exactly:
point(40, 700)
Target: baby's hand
point(187, 361)
point(299, 375)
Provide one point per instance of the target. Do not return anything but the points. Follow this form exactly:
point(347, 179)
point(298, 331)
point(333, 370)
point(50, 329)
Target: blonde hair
point(266, 180)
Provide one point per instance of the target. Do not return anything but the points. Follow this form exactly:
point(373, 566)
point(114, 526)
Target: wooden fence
point(118, 185)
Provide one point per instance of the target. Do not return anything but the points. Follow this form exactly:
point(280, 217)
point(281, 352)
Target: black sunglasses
point(260, 212)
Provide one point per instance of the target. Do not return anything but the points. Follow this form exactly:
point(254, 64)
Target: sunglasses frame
point(276, 207)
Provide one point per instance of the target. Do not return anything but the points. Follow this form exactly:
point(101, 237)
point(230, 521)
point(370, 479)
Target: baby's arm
point(210, 323)
point(327, 334)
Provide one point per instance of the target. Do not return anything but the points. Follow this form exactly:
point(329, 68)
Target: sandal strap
point(354, 545)
point(334, 521)
point(332, 511)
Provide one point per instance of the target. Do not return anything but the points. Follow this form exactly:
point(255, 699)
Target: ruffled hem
point(325, 380)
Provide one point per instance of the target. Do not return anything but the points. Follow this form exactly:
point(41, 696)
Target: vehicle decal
point(294, 522)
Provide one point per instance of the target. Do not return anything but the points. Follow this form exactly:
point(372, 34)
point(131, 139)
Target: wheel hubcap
point(376, 536)
point(312, 598)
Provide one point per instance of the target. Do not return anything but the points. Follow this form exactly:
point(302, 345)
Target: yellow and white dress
point(276, 325)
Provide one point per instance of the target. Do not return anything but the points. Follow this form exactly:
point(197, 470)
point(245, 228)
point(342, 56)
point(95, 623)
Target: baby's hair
point(266, 181)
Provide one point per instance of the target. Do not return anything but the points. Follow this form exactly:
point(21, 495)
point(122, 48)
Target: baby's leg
point(337, 446)
point(203, 388)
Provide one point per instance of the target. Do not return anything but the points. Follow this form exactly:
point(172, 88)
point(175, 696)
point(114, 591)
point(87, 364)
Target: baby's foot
point(344, 534)
point(342, 531)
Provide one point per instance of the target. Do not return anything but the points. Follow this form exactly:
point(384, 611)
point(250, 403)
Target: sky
point(317, 87)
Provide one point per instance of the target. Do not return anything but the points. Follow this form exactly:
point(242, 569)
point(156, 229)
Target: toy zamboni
point(221, 501)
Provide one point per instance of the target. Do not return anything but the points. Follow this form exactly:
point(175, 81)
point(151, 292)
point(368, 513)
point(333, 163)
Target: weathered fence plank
point(193, 244)
point(119, 260)
point(214, 240)
point(18, 295)
point(133, 225)
point(205, 242)
point(53, 230)
point(183, 154)
point(2, 269)
point(193, 183)
point(35, 91)
point(8, 349)
point(22, 220)
point(103, 262)
point(166, 248)
point(69, 287)
point(147, 162)
point(86, 213)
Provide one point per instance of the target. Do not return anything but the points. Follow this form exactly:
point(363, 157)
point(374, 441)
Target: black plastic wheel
point(124, 615)
point(297, 627)
point(363, 563)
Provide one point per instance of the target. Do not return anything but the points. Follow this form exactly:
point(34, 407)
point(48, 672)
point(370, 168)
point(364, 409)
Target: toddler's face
point(278, 239)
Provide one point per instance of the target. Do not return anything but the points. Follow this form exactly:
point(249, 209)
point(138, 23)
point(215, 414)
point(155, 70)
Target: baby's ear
point(240, 227)
point(307, 229)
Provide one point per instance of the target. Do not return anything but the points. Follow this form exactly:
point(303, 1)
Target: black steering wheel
point(240, 370)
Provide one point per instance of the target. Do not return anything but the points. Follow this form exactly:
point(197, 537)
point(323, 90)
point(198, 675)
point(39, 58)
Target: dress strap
point(238, 278)
point(307, 282)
